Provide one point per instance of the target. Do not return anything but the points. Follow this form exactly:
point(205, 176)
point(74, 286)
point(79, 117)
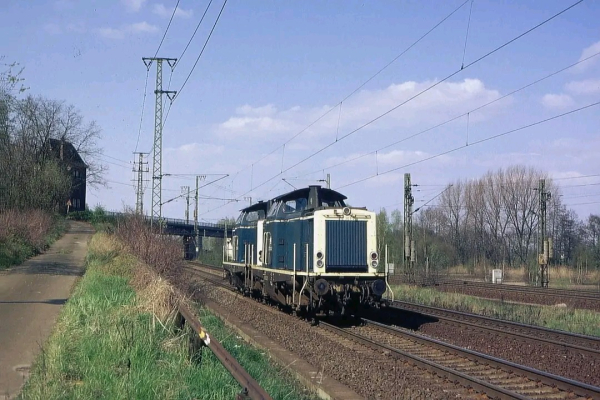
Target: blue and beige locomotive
point(308, 250)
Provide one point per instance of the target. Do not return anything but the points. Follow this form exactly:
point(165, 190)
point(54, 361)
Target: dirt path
point(31, 297)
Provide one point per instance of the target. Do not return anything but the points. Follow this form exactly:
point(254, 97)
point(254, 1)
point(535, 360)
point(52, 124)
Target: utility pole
point(186, 190)
point(139, 191)
point(544, 244)
point(409, 254)
point(249, 198)
point(158, 126)
point(196, 233)
point(328, 181)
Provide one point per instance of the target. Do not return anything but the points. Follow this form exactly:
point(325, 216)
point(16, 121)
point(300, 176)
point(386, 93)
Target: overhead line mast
point(158, 125)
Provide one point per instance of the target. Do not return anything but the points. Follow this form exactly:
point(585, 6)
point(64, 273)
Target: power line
point(203, 47)
point(422, 92)
point(114, 158)
point(196, 30)
point(456, 117)
point(339, 103)
point(479, 142)
point(584, 184)
point(575, 177)
point(167, 30)
point(143, 107)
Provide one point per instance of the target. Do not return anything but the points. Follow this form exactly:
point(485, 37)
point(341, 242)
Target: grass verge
point(116, 342)
point(571, 320)
point(26, 234)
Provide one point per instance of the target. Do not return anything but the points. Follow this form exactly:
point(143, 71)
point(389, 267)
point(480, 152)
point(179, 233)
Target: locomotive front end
point(345, 257)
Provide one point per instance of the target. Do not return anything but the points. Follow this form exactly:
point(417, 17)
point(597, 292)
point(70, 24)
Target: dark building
point(77, 168)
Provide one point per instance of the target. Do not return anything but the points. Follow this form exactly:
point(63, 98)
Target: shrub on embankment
point(116, 339)
point(26, 233)
point(163, 253)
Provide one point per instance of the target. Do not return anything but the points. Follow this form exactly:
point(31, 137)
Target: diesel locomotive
point(308, 250)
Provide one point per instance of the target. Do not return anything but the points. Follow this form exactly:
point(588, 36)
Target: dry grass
point(164, 254)
point(156, 295)
point(31, 226)
point(561, 273)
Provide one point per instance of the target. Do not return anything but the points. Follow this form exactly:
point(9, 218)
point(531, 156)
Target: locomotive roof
point(261, 205)
point(323, 193)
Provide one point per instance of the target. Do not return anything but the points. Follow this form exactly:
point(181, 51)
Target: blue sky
point(272, 67)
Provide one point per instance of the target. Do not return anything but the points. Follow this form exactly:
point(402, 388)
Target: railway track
point(526, 294)
point(589, 345)
point(578, 294)
point(483, 373)
point(493, 376)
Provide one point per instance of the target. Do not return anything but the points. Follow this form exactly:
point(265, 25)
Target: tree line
point(31, 175)
point(493, 221)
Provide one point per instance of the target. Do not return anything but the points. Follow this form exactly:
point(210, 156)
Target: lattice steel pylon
point(139, 190)
point(158, 127)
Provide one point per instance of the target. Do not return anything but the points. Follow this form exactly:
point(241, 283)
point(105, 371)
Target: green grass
point(572, 320)
point(104, 347)
point(277, 382)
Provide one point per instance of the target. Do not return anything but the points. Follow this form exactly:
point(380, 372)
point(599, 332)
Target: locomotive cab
point(309, 250)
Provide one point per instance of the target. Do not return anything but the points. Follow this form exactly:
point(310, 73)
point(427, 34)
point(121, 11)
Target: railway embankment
point(585, 322)
point(117, 337)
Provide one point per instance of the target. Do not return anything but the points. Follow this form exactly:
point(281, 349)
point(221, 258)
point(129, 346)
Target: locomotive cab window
point(240, 218)
point(252, 216)
point(273, 210)
point(295, 205)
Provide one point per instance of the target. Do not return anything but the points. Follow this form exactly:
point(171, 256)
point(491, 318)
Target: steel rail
point(564, 384)
point(551, 380)
point(464, 379)
point(251, 388)
point(535, 331)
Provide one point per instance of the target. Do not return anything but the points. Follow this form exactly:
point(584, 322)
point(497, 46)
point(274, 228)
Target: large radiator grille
point(346, 246)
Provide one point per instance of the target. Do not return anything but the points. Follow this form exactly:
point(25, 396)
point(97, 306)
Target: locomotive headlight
point(374, 255)
point(347, 211)
point(320, 263)
point(374, 263)
point(319, 255)
point(260, 255)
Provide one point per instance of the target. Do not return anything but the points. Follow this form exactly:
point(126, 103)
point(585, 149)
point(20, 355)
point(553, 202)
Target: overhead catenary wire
point(481, 58)
point(479, 142)
point(480, 107)
point(363, 84)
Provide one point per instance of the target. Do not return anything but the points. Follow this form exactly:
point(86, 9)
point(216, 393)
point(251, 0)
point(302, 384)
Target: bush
point(26, 233)
point(163, 253)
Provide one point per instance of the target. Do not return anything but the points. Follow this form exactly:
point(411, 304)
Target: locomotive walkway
point(31, 297)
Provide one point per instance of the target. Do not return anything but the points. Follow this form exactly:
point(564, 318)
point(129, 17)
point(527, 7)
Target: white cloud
point(142, 27)
point(445, 100)
point(587, 52)
point(588, 86)
point(133, 5)
point(161, 10)
point(120, 33)
point(551, 100)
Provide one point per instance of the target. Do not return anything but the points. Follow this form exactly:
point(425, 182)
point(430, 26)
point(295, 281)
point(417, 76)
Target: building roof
point(68, 154)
